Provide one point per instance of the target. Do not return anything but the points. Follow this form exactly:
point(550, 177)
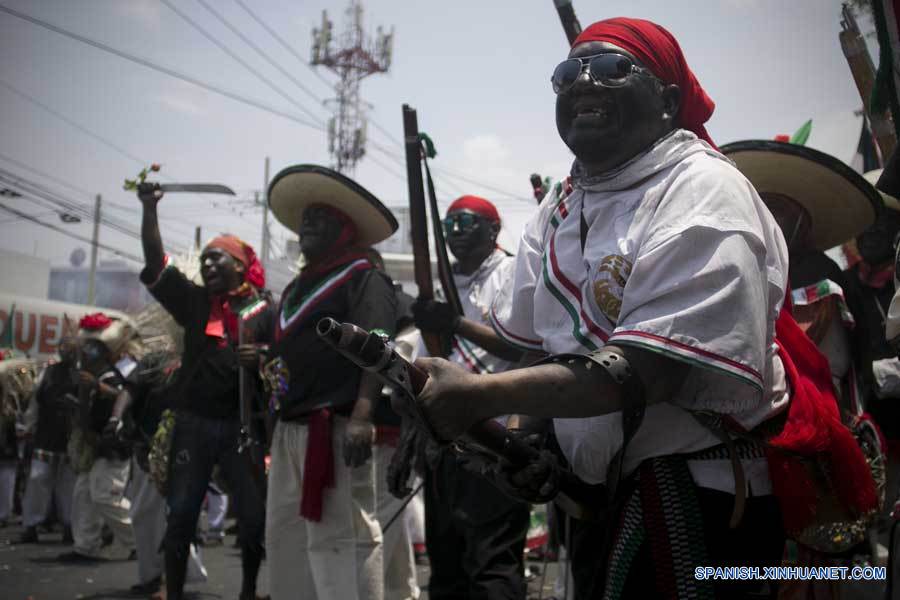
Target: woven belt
point(744, 451)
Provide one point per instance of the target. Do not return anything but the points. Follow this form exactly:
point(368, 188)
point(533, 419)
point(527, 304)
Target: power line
point(281, 41)
point(241, 61)
point(75, 236)
point(161, 69)
point(259, 50)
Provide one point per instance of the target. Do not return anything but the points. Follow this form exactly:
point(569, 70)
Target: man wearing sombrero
point(322, 535)
point(656, 281)
point(227, 323)
point(818, 203)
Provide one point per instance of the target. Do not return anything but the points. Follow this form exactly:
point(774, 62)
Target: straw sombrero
point(118, 335)
point(841, 203)
point(889, 201)
point(295, 188)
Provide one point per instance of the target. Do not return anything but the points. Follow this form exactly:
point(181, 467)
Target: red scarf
point(659, 51)
point(813, 427)
point(223, 319)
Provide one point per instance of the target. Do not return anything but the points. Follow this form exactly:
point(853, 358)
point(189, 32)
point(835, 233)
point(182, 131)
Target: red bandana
point(94, 322)
point(658, 50)
point(477, 205)
point(223, 320)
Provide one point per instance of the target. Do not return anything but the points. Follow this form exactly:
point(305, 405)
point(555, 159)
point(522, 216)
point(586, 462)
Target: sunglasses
point(609, 69)
point(464, 221)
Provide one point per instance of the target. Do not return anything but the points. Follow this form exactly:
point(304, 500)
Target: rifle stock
point(568, 19)
point(419, 224)
point(854, 47)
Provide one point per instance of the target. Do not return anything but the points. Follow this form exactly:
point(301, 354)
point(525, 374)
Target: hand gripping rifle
point(372, 353)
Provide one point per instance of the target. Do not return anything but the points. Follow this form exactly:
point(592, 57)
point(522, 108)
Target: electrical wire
point(242, 62)
point(75, 236)
point(259, 50)
point(165, 70)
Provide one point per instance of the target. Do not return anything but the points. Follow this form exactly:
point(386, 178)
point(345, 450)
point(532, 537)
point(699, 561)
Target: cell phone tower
point(355, 57)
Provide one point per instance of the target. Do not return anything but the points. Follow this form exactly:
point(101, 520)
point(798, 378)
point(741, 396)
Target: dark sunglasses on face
point(609, 69)
point(464, 221)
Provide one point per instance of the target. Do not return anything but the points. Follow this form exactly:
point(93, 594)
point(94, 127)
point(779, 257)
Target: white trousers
point(7, 488)
point(400, 582)
point(339, 557)
point(148, 520)
point(216, 510)
point(48, 481)
point(99, 498)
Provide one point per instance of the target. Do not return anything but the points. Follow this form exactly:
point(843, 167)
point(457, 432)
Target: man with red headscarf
point(227, 323)
point(475, 533)
point(654, 277)
point(323, 538)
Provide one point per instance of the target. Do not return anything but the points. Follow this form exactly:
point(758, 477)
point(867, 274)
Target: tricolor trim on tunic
point(319, 293)
point(250, 311)
point(690, 354)
point(475, 364)
point(511, 338)
point(813, 293)
point(588, 333)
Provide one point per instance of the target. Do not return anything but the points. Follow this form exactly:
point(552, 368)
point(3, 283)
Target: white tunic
point(476, 294)
point(680, 257)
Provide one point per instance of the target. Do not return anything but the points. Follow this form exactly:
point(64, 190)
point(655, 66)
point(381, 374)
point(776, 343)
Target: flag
point(801, 135)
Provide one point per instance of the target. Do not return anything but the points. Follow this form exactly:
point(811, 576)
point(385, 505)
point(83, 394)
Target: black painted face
point(319, 229)
point(876, 244)
point(470, 241)
point(607, 126)
point(220, 271)
point(95, 356)
point(68, 350)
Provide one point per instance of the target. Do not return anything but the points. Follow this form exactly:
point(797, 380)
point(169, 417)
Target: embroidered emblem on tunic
point(609, 285)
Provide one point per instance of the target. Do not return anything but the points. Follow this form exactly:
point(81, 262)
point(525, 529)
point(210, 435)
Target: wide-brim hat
point(298, 187)
point(889, 201)
point(840, 202)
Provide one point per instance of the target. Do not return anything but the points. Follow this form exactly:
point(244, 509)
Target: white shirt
point(680, 257)
point(476, 295)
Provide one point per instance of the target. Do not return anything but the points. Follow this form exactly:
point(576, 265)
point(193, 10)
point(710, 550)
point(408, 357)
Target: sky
point(76, 120)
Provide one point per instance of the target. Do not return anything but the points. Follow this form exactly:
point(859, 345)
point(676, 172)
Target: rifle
point(568, 19)
point(854, 47)
point(436, 344)
point(372, 353)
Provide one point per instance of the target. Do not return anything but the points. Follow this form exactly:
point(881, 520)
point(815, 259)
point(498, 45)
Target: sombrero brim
point(888, 200)
point(841, 203)
point(116, 337)
point(295, 188)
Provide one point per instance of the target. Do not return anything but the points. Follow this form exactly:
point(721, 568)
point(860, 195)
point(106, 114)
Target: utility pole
point(265, 222)
point(197, 238)
point(92, 276)
point(355, 58)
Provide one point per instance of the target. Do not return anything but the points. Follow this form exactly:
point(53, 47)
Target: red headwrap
point(94, 322)
point(477, 205)
point(241, 251)
point(658, 50)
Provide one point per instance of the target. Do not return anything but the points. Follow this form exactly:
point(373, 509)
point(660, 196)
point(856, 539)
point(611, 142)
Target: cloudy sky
point(77, 120)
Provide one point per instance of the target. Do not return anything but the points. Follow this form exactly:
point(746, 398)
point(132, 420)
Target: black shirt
point(207, 383)
point(318, 377)
point(54, 422)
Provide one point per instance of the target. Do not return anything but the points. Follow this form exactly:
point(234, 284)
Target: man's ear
point(671, 96)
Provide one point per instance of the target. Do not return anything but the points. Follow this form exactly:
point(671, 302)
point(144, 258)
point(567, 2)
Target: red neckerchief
point(876, 277)
point(223, 319)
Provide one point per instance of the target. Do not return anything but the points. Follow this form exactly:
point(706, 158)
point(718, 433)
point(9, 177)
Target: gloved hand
point(359, 437)
point(434, 316)
point(538, 482)
point(111, 430)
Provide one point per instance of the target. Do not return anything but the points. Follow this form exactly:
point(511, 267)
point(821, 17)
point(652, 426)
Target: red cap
point(477, 205)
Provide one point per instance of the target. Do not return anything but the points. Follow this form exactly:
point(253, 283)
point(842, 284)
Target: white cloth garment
point(7, 488)
point(216, 509)
point(48, 480)
point(337, 557)
point(400, 582)
point(98, 498)
point(680, 257)
point(476, 293)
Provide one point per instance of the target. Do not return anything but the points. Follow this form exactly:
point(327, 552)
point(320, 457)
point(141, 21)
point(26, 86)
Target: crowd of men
point(701, 385)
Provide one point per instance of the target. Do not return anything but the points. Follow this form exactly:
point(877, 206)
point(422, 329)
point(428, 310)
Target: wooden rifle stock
point(568, 19)
point(854, 47)
point(419, 224)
